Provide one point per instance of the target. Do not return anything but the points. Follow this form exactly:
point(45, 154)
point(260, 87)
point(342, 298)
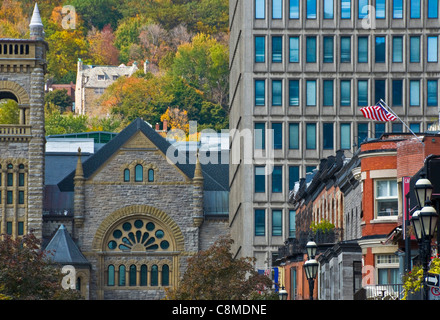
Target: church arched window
point(139, 173)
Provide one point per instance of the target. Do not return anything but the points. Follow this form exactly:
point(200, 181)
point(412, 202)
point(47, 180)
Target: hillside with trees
point(185, 44)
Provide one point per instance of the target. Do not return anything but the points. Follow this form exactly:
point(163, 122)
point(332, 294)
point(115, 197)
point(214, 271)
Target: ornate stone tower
point(22, 69)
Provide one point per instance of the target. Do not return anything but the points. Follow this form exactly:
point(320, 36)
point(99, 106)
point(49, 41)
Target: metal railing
point(380, 292)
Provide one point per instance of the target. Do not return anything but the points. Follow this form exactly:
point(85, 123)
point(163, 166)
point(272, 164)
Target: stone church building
point(132, 216)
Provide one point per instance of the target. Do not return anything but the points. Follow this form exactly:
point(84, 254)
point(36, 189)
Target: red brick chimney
point(165, 125)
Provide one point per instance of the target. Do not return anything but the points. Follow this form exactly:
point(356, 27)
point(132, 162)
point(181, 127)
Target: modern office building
point(299, 73)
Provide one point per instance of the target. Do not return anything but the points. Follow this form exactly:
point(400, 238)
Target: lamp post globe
point(428, 221)
point(311, 268)
point(416, 224)
point(282, 294)
point(423, 190)
point(311, 249)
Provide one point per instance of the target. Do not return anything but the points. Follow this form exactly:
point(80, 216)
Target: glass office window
point(397, 92)
point(345, 49)
point(345, 92)
point(432, 95)
point(277, 9)
point(397, 9)
point(292, 231)
point(327, 136)
point(260, 9)
point(379, 90)
point(432, 49)
point(294, 9)
point(260, 135)
point(414, 49)
point(380, 49)
point(260, 222)
point(345, 9)
point(310, 136)
point(260, 179)
point(328, 9)
point(379, 129)
point(260, 96)
point(293, 176)
point(277, 92)
point(260, 47)
point(277, 135)
point(311, 92)
point(293, 92)
point(327, 96)
point(311, 49)
point(380, 9)
point(294, 49)
point(414, 93)
point(277, 49)
point(398, 49)
point(345, 136)
point(414, 127)
point(328, 49)
point(433, 9)
point(414, 9)
point(277, 179)
point(311, 9)
point(362, 49)
point(362, 93)
point(363, 8)
point(362, 133)
point(397, 128)
point(293, 135)
point(277, 223)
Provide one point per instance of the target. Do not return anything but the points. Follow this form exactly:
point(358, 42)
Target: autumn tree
point(26, 272)
point(102, 49)
point(13, 21)
point(214, 274)
point(177, 119)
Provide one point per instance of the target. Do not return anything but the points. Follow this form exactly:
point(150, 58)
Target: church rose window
point(138, 235)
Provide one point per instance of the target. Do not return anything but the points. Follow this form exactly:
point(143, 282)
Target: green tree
point(9, 112)
point(98, 13)
point(26, 272)
point(60, 98)
point(58, 123)
point(214, 274)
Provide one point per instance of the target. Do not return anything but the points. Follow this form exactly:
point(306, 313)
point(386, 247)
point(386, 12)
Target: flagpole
point(390, 110)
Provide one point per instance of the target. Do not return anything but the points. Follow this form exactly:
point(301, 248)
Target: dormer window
point(101, 77)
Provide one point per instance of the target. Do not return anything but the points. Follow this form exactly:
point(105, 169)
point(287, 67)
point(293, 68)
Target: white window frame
point(376, 198)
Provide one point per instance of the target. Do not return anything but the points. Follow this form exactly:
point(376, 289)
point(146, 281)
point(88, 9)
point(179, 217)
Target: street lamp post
point(424, 222)
point(311, 266)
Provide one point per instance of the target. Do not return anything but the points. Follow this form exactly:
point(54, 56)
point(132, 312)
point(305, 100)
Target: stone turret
point(36, 25)
point(198, 194)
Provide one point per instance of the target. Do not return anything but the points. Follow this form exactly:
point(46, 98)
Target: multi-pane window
point(362, 92)
point(362, 49)
point(380, 9)
point(432, 93)
point(260, 135)
point(277, 92)
point(414, 9)
point(432, 49)
point(328, 49)
point(260, 95)
point(293, 135)
point(414, 93)
point(260, 9)
point(345, 136)
point(311, 9)
point(432, 9)
point(328, 9)
point(277, 128)
point(362, 133)
point(345, 92)
point(414, 49)
point(260, 47)
point(293, 49)
point(277, 222)
point(260, 222)
point(327, 135)
point(387, 269)
point(345, 9)
point(345, 49)
point(277, 179)
point(294, 9)
point(397, 96)
point(293, 92)
point(311, 92)
point(260, 179)
point(380, 49)
point(277, 9)
point(311, 136)
point(277, 49)
point(379, 90)
point(397, 9)
point(386, 198)
point(327, 98)
point(311, 49)
point(397, 49)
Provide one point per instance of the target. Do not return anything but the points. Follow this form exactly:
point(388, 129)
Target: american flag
point(378, 113)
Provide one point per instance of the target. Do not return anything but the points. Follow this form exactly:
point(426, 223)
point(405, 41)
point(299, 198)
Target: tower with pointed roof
point(22, 69)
